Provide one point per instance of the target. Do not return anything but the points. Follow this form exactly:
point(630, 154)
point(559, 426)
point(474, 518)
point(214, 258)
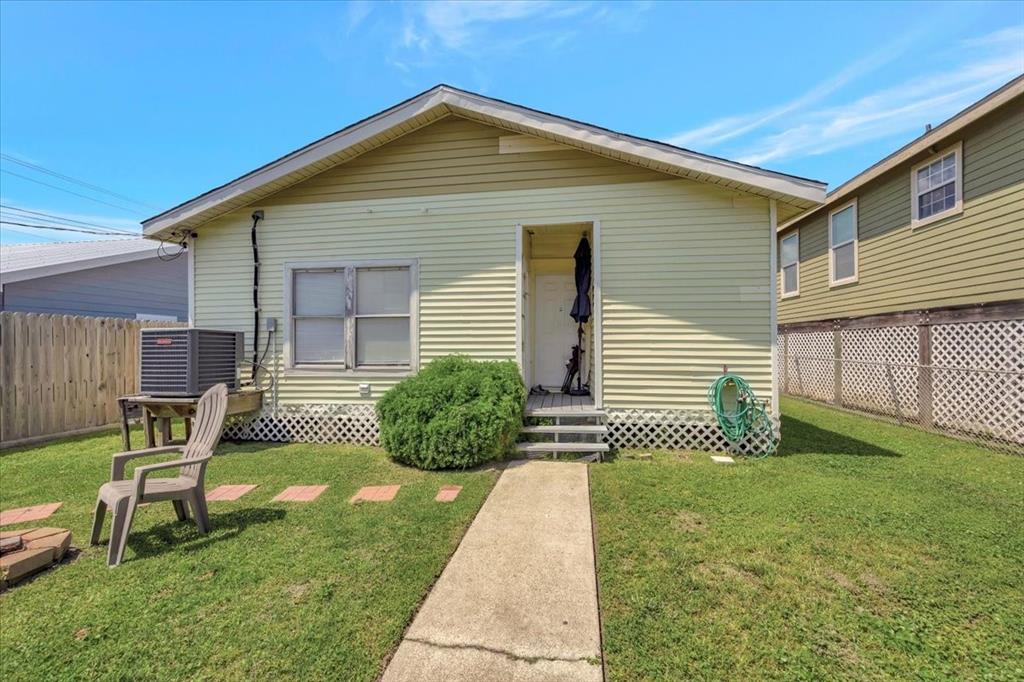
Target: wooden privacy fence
point(61, 374)
point(955, 371)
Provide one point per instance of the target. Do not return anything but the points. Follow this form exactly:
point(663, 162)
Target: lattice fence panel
point(308, 423)
point(678, 430)
point(809, 367)
point(880, 370)
point(978, 378)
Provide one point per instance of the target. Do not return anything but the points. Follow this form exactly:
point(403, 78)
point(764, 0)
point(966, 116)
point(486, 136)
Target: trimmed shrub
point(455, 413)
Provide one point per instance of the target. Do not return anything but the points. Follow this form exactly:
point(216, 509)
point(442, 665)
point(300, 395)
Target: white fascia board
point(296, 161)
point(456, 101)
point(809, 190)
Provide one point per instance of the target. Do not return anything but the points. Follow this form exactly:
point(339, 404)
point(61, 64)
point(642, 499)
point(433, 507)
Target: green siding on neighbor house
point(677, 304)
point(974, 257)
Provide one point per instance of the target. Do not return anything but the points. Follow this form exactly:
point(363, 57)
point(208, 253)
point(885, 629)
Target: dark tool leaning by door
point(572, 371)
point(580, 313)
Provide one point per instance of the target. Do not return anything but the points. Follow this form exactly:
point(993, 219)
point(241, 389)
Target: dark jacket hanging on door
point(581, 306)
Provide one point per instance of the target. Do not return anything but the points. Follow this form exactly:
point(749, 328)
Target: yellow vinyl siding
point(685, 266)
point(975, 257)
point(455, 156)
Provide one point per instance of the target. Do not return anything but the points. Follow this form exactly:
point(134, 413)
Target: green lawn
point(276, 591)
point(863, 551)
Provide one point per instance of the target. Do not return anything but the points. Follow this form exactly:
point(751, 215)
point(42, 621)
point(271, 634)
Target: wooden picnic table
point(162, 409)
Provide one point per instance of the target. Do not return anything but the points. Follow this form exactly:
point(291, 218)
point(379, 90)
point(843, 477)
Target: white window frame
point(349, 368)
point(782, 265)
point(832, 281)
point(958, 183)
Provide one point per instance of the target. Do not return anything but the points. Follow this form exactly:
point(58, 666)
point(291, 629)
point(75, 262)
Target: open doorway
point(554, 344)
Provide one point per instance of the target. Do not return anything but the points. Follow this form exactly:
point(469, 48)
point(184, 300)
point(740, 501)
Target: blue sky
point(159, 102)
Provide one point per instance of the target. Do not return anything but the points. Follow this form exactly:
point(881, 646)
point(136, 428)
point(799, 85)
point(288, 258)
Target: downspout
point(256, 217)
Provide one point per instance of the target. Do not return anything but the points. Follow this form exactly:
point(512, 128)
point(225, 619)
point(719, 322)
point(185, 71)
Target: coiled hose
point(739, 412)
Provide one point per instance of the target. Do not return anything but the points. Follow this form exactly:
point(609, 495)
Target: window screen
point(843, 244)
point(935, 188)
point(318, 317)
point(791, 264)
point(382, 316)
point(378, 316)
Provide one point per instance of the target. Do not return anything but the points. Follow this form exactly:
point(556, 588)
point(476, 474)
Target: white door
point(554, 332)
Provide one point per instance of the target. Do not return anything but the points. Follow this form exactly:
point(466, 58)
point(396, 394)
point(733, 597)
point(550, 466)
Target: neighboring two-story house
point(918, 261)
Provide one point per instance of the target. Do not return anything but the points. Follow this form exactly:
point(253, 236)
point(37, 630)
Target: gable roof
point(444, 100)
point(933, 137)
point(20, 262)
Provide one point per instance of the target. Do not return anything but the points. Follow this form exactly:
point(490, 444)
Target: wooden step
point(566, 428)
point(553, 413)
point(561, 447)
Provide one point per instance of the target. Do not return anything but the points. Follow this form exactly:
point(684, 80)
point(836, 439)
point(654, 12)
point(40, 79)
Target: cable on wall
point(257, 216)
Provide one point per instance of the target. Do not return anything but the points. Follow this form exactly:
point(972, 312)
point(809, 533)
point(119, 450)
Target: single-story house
point(448, 224)
point(130, 278)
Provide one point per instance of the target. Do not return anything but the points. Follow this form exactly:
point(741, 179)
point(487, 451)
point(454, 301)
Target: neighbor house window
point(351, 316)
point(791, 264)
point(842, 243)
point(936, 186)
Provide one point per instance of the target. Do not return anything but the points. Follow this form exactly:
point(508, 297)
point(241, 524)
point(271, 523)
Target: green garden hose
point(739, 412)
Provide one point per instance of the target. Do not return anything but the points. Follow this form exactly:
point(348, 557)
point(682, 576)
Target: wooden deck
point(560, 404)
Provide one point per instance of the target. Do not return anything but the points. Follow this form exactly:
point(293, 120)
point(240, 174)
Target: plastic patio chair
point(123, 496)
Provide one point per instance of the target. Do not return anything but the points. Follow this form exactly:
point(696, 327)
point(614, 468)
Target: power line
point(49, 217)
point(68, 178)
point(161, 250)
point(62, 189)
point(67, 229)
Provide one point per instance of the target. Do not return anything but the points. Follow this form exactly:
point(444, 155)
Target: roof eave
point(444, 100)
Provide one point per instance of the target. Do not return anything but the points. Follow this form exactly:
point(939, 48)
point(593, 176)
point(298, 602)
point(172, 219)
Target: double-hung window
point(351, 315)
point(790, 248)
point(936, 186)
point(318, 317)
point(842, 244)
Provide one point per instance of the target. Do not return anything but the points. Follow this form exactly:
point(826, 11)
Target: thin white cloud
point(732, 127)
point(431, 31)
point(1011, 35)
point(456, 25)
point(908, 106)
point(802, 127)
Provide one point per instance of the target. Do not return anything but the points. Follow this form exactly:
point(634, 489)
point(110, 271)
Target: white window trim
point(957, 208)
point(832, 281)
point(782, 266)
point(334, 370)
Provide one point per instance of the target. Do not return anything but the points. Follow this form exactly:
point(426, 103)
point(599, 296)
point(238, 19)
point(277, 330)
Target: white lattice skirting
point(357, 423)
point(679, 430)
point(976, 378)
point(309, 423)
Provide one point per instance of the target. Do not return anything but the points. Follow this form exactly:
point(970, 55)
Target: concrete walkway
point(518, 600)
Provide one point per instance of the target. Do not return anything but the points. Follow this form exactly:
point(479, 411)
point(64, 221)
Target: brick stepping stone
point(300, 493)
point(448, 493)
point(375, 493)
point(22, 514)
point(228, 493)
